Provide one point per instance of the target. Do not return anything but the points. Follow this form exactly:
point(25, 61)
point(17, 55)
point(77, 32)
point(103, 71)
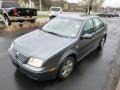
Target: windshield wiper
point(53, 33)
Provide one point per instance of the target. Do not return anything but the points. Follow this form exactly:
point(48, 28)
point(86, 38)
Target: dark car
point(106, 14)
point(13, 12)
point(54, 51)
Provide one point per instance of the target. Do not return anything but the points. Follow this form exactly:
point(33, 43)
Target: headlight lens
point(35, 62)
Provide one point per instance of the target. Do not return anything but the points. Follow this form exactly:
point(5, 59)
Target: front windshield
point(63, 26)
point(55, 9)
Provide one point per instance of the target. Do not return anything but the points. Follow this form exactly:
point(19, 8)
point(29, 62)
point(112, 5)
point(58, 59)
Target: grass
point(27, 26)
point(43, 16)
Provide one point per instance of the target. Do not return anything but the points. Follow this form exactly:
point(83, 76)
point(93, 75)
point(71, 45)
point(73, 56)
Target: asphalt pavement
point(98, 71)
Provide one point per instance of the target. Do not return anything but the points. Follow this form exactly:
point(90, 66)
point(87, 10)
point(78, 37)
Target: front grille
point(21, 58)
point(18, 56)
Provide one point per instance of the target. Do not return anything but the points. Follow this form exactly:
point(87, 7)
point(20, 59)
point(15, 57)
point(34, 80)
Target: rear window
point(98, 23)
point(55, 9)
point(10, 4)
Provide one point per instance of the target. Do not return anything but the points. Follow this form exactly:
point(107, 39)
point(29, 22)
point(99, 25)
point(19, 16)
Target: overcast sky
point(73, 1)
point(113, 3)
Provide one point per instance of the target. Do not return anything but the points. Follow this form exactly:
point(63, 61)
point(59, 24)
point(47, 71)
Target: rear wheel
point(32, 20)
point(52, 17)
point(101, 44)
point(66, 68)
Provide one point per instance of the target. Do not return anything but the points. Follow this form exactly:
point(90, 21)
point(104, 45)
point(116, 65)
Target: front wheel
point(101, 44)
point(7, 21)
point(66, 68)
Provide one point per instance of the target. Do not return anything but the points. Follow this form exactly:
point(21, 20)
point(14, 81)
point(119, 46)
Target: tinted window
point(88, 27)
point(98, 23)
point(10, 4)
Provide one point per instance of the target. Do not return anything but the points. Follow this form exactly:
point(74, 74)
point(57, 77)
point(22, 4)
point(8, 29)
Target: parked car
point(55, 11)
point(108, 14)
point(54, 51)
point(13, 12)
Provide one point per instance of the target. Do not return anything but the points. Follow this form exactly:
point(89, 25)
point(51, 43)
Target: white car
point(54, 11)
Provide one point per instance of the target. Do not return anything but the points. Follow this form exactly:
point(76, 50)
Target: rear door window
point(98, 24)
point(88, 27)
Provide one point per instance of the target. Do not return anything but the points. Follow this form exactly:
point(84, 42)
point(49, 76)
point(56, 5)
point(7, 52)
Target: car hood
point(39, 44)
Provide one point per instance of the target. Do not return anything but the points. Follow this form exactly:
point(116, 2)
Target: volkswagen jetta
point(53, 51)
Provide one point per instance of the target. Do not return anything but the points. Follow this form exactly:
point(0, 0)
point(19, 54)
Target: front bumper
point(36, 75)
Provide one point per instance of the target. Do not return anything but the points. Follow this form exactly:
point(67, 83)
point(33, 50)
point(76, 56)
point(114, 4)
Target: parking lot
point(98, 71)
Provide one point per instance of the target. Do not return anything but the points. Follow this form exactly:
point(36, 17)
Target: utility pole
point(30, 3)
point(40, 5)
point(89, 7)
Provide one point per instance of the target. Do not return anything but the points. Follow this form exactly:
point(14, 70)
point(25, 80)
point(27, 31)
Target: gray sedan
point(53, 51)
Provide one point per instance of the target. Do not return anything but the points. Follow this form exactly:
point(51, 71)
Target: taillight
point(14, 12)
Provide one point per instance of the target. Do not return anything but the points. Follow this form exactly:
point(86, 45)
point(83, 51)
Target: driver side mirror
point(87, 36)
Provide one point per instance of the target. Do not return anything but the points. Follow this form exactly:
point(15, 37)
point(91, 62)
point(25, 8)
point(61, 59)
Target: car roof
point(55, 7)
point(78, 16)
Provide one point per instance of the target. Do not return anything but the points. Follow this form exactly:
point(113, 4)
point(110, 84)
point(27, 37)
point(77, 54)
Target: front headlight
point(35, 62)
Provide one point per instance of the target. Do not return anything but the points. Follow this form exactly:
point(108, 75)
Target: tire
point(52, 17)
point(7, 21)
point(101, 44)
point(66, 68)
point(32, 21)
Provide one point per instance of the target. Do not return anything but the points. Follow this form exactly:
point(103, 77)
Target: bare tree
point(89, 4)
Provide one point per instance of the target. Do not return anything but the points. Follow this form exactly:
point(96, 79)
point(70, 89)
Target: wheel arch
point(69, 53)
point(5, 14)
point(74, 56)
point(65, 55)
